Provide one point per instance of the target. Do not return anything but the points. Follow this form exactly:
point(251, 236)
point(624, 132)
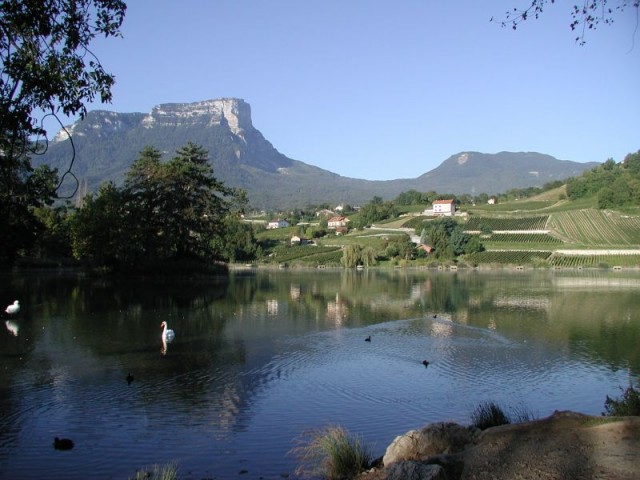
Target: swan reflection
point(13, 327)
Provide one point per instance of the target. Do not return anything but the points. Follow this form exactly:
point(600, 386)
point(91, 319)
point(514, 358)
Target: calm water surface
point(263, 356)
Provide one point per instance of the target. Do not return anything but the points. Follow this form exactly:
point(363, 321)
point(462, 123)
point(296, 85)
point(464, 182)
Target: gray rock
point(434, 439)
point(414, 471)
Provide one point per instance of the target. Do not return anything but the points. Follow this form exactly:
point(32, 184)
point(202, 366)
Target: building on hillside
point(338, 221)
point(428, 249)
point(296, 240)
point(324, 213)
point(491, 201)
point(277, 224)
point(444, 207)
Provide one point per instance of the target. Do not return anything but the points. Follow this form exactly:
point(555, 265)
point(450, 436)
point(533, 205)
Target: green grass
point(331, 453)
point(626, 406)
point(487, 415)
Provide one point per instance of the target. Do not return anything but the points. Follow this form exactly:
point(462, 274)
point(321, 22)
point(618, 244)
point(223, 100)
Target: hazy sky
point(383, 90)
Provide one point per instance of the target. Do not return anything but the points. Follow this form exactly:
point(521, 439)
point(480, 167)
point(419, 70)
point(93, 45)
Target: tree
point(47, 63)
point(355, 254)
point(631, 163)
point(47, 68)
point(183, 205)
point(446, 236)
point(584, 17)
point(22, 191)
point(166, 211)
point(99, 230)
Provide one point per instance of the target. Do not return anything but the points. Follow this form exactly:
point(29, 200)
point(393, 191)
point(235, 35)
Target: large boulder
point(434, 439)
point(414, 471)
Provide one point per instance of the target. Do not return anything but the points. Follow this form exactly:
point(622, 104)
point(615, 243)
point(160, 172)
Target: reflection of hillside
point(525, 302)
point(596, 283)
point(603, 323)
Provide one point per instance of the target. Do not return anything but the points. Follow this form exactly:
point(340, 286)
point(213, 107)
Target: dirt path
point(564, 446)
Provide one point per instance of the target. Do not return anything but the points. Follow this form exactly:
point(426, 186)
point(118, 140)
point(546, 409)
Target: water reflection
point(12, 327)
point(262, 356)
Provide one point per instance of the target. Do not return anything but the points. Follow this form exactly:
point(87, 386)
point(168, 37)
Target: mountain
point(106, 143)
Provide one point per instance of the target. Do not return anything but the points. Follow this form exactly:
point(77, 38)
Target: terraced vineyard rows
point(521, 223)
point(542, 238)
point(511, 257)
point(574, 261)
point(288, 254)
point(597, 227)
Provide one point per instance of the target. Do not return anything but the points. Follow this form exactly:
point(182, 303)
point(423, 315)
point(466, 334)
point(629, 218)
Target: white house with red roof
point(337, 221)
point(444, 207)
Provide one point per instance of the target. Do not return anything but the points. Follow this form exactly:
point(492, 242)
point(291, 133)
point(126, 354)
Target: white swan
point(167, 334)
point(13, 308)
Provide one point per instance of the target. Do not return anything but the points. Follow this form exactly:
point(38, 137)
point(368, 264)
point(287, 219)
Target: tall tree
point(172, 210)
point(47, 68)
point(180, 202)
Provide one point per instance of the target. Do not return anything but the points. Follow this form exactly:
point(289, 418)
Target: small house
point(444, 207)
point(277, 224)
point(338, 221)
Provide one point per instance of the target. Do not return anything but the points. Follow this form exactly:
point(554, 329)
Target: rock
point(434, 439)
point(411, 470)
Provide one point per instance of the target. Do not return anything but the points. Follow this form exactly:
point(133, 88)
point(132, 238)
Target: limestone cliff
point(232, 112)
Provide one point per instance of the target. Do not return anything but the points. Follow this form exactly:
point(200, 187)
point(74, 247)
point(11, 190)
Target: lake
point(265, 355)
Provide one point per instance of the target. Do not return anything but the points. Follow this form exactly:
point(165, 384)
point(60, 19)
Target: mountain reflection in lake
point(265, 355)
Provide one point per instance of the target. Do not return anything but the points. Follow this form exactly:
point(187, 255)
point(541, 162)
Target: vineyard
point(597, 227)
point(587, 261)
point(496, 223)
point(521, 238)
point(510, 257)
point(308, 253)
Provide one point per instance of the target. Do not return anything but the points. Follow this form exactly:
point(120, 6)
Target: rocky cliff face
point(232, 112)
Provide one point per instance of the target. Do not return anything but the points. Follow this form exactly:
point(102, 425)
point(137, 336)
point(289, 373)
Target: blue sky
point(382, 90)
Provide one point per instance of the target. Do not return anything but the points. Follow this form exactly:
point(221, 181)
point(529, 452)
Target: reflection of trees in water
point(602, 324)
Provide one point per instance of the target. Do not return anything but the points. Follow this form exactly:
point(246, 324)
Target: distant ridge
point(108, 142)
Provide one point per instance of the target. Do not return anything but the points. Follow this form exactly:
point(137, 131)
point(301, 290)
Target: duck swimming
point(62, 443)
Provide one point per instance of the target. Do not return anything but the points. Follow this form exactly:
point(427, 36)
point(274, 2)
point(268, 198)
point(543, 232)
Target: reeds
point(332, 453)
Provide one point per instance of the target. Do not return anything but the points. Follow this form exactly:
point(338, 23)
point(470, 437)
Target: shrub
point(627, 406)
point(488, 414)
point(332, 453)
